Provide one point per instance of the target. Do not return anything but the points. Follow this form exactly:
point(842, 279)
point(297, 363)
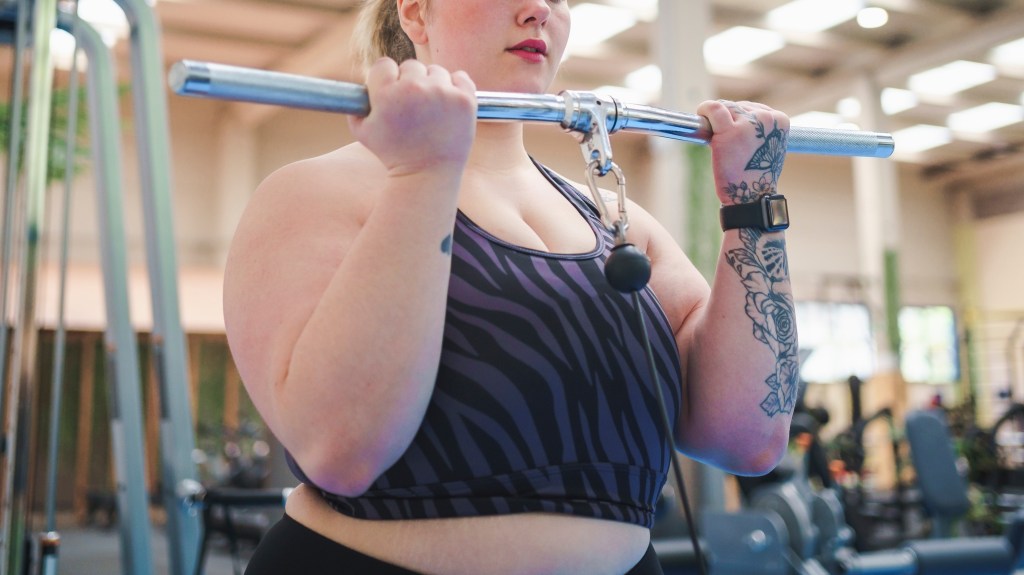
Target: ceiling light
point(646, 79)
point(921, 137)
point(872, 17)
point(986, 117)
point(1009, 55)
point(645, 10)
point(741, 45)
point(952, 78)
point(593, 24)
point(813, 15)
point(896, 100)
point(822, 120)
point(816, 120)
point(625, 95)
point(849, 108)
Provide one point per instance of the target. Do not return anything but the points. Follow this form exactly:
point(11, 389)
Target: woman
point(422, 320)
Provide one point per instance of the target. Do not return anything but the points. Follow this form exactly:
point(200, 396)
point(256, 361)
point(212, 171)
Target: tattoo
point(763, 268)
point(446, 245)
point(768, 159)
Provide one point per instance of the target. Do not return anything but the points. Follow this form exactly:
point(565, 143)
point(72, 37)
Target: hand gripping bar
point(224, 82)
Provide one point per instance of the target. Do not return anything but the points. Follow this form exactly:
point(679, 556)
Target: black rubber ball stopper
point(627, 269)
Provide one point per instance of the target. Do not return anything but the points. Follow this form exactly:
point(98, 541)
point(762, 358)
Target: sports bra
point(543, 400)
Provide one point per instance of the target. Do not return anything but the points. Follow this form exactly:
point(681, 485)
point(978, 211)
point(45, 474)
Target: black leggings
point(290, 547)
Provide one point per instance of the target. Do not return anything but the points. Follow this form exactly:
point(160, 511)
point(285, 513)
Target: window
point(835, 339)
point(928, 344)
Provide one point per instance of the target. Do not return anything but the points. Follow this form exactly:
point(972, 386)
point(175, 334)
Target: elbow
point(744, 454)
point(760, 457)
point(758, 463)
point(336, 473)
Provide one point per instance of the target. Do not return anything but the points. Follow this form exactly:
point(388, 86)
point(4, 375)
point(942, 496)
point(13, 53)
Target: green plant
point(56, 164)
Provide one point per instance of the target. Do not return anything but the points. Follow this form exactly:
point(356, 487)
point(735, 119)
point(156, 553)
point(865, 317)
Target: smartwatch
point(769, 213)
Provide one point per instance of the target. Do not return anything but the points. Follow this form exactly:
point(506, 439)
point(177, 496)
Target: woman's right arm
point(336, 283)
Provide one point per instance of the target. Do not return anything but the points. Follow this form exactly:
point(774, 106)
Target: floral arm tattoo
point(763, 268)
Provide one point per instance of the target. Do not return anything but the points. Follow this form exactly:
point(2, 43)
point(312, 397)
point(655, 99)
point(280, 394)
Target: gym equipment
point(573, 110)
point(168, 347)
point(943, 490)
point(881, 520)
point(168, 341)
point(220, 503)
point(794, 529)
point(19, 432)
point(49, 539)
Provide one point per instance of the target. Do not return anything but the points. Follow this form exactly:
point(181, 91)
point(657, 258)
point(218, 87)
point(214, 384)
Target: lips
point(531, 47)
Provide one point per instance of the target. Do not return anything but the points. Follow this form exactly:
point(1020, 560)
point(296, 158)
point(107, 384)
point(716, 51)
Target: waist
point(515, 543)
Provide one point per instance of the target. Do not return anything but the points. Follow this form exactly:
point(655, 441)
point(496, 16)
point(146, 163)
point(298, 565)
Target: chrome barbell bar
point(236, 83)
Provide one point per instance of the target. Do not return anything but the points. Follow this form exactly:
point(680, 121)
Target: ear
point(412, 15)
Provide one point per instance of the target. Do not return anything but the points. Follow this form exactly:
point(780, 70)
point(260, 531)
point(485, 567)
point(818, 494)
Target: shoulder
point(343, 174)
point(334, 190)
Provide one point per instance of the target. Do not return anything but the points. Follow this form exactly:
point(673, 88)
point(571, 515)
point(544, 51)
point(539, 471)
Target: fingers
point(382, 71)
point(420, 115)
point(462, 81)
point(725, 113)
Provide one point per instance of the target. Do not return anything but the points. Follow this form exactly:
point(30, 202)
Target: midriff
point(522, 543)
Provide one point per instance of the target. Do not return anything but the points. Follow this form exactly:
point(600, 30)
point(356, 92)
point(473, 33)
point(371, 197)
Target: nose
point(534, 12)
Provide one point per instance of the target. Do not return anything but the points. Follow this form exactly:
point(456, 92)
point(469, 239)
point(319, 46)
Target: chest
point(535, 216)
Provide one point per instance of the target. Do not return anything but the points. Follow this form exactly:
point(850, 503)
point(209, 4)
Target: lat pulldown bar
point(569, 109)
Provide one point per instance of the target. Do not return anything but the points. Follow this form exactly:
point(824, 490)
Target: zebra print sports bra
point(543, 401)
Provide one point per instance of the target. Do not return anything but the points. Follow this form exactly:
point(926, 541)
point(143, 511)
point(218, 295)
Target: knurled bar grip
point(224, 82)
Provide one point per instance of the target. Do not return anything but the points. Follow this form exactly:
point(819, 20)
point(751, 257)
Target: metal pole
point(50, 539)
point(13, 168)
point(125, 390)
point(127, 430)
point(225, 82)
point(19, 440)
point(169, 350)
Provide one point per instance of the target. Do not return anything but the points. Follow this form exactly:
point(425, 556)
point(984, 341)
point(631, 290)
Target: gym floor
point(94, 551)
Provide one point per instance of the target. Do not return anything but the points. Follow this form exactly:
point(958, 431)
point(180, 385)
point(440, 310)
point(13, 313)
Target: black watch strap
point(769, 213)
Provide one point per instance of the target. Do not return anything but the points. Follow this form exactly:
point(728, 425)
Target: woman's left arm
point(737, 339)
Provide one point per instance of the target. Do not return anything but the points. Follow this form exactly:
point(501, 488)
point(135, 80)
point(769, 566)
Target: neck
point(498, 147)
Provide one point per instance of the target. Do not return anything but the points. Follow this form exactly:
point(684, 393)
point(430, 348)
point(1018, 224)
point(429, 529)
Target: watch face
point(778, 213)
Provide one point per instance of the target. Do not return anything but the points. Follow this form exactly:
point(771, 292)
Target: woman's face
point(504, 45)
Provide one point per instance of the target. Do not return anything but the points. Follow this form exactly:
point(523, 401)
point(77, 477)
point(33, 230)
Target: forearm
point(742, 378)
point(362, 370)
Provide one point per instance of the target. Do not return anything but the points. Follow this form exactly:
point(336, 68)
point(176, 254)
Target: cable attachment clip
point(586, 116)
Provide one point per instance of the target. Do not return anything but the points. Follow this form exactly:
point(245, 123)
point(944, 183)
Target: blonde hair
point(379, 33)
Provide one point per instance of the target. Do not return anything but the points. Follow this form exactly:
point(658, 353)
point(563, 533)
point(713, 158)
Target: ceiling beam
point(896, 66)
